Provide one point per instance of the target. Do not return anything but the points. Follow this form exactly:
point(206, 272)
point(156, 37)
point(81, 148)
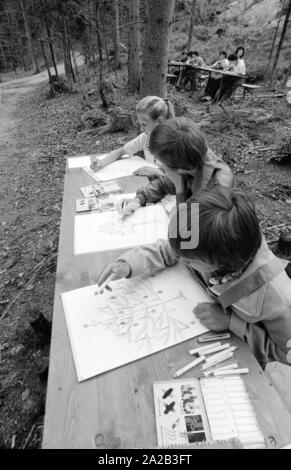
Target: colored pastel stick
point(189, 366)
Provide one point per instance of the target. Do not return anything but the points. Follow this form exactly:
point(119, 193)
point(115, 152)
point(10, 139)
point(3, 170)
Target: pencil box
point(199, 411)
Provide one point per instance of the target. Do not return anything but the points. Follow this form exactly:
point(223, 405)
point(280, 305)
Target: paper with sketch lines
point(119, 169)
point(109, 231)
point(81, 161)
point(137, 318)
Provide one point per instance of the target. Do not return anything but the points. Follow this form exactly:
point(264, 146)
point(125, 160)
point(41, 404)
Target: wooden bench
point(248, 88)
point(171, 78)
point(115, 410)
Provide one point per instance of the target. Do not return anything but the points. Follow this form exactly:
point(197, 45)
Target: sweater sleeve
point(268, 337)
point(147, 260)
point(156, 190)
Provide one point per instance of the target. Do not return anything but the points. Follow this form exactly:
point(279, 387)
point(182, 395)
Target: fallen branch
point(29, 436)
point(36, 271)
point(271, 95)
point(275, 226)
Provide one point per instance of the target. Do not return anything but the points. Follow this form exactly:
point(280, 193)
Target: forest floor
point(36, 136)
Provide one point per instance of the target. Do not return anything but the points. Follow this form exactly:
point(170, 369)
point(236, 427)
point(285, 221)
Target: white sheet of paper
point(79, 162)
point(138, 318)
point(109, 231)
point(84, 161)
point(120, 168)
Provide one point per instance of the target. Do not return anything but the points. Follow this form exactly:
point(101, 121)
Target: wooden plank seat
point(249, 88)
point(171, 78)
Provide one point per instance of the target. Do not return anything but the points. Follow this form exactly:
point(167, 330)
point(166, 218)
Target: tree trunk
point(16, 47)
point(75, 64)
point(67, 55)
point(99, 40)
point(45, 59)
point(21, 56)
point(3, 57)
point(134, 47)
point(50, 43)
point(29, 38)
point(190, 35)
point(92, 33)
point(156, 43)
point(116, 36)
point(283, 33)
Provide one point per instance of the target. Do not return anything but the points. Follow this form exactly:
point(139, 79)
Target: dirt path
point(31, 182)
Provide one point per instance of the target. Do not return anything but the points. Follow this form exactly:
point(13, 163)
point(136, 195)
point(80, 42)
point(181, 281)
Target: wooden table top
point(116, 409)
point(205, 68)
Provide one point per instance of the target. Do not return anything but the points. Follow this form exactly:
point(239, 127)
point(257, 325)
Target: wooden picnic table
point(116, 409)
point(204, 68)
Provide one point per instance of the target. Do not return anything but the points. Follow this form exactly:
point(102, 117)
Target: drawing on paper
point(108, 231)
point(133, 319)
point(114, 228)
point(136, 313)
point(118, 169)
point(120, 228)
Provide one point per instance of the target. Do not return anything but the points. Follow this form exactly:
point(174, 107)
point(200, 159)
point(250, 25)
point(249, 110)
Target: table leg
point(180, 77)
point(193, 84)
point(207, 82)
point(217, 95)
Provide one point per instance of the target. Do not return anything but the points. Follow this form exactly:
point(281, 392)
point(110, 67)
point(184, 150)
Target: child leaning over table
point(188, 164)
point(151, 111)
point(248, 283)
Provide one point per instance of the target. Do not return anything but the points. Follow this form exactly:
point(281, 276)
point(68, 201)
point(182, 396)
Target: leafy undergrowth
point(32, 183)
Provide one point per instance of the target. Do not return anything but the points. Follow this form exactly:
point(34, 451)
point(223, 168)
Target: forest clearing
point(40, 127)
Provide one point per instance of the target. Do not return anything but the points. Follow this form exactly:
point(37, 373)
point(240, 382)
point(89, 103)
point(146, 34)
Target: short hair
point(229, 232)
point(232, 57)
point(196, 53)
point(178, 143)
point(190, 53)
point(240, 48)
point(223, 53)
point(156, 107)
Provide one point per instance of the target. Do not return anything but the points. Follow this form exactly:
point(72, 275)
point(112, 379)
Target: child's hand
point(127, 206)
point(148, 171)
point(118, 268)
point(212, 316)
point(96, 164)
point(177, 179)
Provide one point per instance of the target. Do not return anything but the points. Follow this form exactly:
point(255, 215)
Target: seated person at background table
point(184, 70)
point(151, 111)
point(248, 283)
point(184, 56)
point(184, 59)
point(189, 165)
point(214, 80)
point(222, 63)
point(228, 83)
point(240, 66)
point(189, 74)
point(196, 60)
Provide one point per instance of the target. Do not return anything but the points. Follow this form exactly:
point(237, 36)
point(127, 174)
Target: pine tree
point(134, 47)
point(159, 16)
